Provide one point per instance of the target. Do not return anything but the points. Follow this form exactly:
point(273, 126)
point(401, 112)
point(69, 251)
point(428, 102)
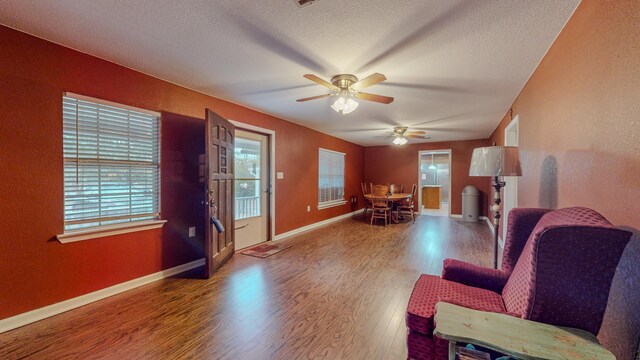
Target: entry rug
point(265, 250)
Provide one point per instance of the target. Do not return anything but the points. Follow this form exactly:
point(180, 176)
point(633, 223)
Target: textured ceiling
point(454, 67)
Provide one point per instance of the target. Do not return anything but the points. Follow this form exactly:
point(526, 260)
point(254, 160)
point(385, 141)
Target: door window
point(247, 189)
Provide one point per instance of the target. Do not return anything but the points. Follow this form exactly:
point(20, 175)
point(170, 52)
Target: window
point(330, 179)
point(111, 163)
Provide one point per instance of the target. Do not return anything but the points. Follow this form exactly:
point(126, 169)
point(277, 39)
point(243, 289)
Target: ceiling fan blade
point(368, 81)
point(361, 130)
point(313, 98)
point(375, 98)
point(415, 136)
point(416, 133)
point(320, 81)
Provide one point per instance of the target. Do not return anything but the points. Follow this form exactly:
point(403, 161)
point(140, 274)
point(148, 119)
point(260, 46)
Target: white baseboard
point(485, 219)
point(315, 225)
point(481, 218)
point(66, 305)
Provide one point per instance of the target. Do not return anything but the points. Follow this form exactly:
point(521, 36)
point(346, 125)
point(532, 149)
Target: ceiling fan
point(401, 135)
point(347, 87)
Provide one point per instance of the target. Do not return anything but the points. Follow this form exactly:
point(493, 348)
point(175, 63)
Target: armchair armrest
point(474, 275)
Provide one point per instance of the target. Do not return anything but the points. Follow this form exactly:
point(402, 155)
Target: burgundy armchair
point(557, 268)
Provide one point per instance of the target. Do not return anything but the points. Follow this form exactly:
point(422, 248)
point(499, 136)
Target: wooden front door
point(219, 246)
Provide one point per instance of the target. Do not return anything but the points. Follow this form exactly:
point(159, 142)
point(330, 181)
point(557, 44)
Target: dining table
point(396, 197)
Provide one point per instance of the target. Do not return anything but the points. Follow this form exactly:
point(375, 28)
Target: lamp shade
point(495, 161)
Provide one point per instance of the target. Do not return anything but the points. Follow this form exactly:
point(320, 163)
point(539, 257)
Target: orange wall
point(580, 139)
point(399, 165)
point(580, 116)
point(35, 270)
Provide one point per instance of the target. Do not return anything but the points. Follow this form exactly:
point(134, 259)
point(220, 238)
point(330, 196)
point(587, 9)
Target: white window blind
point(331, 178)
point(111, 164)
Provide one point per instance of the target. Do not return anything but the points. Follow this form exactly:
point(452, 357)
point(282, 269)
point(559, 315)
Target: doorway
point(252, 188)
point(434, 177)
point(511, 182)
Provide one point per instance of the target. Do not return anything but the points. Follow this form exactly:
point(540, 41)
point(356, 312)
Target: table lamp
point(495, 161)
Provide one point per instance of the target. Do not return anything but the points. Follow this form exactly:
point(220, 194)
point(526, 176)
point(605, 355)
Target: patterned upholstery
point(565, 271)
point(520, 225)
point(620, 330)
point(431, 289)
point(558, 267)
point(420, 346)
point(474, 275)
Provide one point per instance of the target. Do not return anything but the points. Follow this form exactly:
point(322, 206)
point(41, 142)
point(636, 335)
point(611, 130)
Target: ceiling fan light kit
point(344, 106)
point(401, 136)
point(398, 132)
point(347, 87)
point(400, 140)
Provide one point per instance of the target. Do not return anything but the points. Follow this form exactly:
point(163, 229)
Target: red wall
point(399, 165)
point(36, 270)
point(579, 132)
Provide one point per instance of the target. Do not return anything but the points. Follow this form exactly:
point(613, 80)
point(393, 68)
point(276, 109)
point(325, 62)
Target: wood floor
point(339, 293)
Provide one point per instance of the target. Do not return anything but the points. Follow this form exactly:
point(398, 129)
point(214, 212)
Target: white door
point(251, 188)
point(511, 182)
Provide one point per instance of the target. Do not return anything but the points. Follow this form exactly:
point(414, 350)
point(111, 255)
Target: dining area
point(388, 203)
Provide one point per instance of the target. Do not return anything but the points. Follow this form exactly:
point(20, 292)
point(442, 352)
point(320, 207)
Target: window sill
point(333, 204)
point(109, 230)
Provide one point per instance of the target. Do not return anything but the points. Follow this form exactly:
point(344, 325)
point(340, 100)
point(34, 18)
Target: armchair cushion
point(474, 275)
point(430, 289)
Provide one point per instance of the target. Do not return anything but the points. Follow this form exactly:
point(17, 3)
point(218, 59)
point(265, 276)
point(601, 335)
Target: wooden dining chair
point(380, 208)
point(380, 189)
point(406, 207)
point(367, 202)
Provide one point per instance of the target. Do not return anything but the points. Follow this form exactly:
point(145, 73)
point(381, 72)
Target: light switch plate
point(192, 231)
point(280, 175)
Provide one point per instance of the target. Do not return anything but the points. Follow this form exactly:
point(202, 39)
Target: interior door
point(252, 188)
point(219, 240)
